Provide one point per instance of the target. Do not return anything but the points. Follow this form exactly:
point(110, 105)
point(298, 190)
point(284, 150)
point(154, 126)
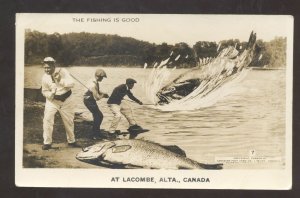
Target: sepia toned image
point(154, 101)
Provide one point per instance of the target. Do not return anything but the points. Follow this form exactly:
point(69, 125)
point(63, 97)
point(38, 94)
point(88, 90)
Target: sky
point(159, 28)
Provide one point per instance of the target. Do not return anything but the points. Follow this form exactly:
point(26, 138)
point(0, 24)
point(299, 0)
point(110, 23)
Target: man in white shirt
point(56, 87)
point(90, 97)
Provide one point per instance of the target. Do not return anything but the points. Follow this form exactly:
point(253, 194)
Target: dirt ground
point(62, 156)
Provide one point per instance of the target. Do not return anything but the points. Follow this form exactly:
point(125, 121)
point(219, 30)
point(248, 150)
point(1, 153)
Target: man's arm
point(96, 94)
point(48, 90)
point(64, 78)
point(103, 94)
point(131, 96)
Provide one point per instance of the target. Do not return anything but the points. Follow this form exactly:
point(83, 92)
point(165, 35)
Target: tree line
point(88, 49)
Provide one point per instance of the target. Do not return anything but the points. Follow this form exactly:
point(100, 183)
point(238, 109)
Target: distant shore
point(110, 66)
point(140, 66)
point(262, 68)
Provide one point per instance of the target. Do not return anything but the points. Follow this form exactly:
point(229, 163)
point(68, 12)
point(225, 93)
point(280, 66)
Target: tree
point(277, 51)
point(204, 49)
point(113, 50)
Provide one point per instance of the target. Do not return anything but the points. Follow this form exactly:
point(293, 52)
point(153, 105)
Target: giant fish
point(206, 78)
point(134, 153)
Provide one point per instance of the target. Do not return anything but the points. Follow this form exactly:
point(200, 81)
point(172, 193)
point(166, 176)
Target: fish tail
point(211, 166)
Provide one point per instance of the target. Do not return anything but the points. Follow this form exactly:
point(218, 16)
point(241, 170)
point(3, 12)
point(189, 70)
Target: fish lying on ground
point(139, 154)
point(210, 76)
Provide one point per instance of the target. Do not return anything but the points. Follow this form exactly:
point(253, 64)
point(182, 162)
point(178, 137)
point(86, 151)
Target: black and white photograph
point(180, 101)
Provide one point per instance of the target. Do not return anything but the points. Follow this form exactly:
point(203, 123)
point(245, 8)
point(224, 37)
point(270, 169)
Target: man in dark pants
point(90, 97)
point(120, 107)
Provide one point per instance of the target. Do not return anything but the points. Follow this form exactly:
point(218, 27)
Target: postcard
point(176, 101)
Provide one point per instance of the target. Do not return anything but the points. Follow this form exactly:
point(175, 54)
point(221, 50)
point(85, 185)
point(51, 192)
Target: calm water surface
point(250, 119)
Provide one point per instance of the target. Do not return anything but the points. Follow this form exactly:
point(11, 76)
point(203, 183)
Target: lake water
point(245, 128)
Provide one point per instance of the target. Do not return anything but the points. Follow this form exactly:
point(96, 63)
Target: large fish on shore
point(139, 154)
point(206, 78)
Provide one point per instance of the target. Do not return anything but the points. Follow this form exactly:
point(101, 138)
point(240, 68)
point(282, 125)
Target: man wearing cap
point(56, 87)
point(118, 106)
point(90, 97)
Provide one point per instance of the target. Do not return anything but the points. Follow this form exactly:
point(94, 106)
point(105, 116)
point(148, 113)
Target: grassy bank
point(61, 157)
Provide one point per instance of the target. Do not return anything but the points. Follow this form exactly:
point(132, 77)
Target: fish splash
point(202, 86)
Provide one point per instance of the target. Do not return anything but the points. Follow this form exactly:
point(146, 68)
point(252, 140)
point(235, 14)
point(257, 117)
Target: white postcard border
point(101, 178)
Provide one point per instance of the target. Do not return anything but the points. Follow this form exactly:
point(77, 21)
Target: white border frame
point(95, 178)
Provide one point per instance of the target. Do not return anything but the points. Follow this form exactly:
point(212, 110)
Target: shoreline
point(61, 157)
point(58, 65)
point(142, 67)
point(266, 69)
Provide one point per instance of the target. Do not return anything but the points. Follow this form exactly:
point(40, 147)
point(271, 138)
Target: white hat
point(49, 59)
point(100, 73)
